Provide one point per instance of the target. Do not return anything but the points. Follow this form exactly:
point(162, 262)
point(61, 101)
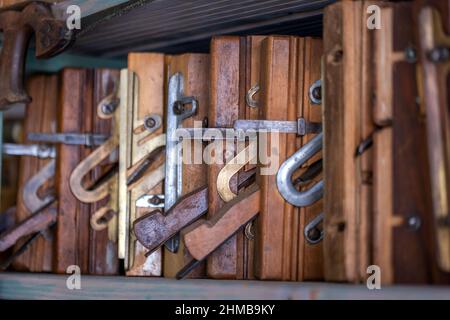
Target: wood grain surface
point(289, 66)
point(76, 242)
point(235, 69)
point(225, 262)
point(344, 26)
point(310, 256)
point(149, 69)
point(403, 238)
point(277, 223)
point(41, 116)
point(432, 19)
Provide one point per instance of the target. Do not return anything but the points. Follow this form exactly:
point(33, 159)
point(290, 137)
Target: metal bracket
point(176, 112)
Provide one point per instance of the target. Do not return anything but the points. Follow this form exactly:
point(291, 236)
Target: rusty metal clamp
point(287, 169)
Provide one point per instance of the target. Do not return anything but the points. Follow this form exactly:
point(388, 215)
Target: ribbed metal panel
point(174, 26)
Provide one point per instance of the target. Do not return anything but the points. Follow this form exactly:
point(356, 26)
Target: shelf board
point(51, 286)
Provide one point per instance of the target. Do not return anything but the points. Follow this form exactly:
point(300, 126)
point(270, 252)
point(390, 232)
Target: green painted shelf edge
point(51, 286)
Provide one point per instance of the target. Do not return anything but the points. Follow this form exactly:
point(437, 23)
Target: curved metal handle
point(287, 169)
point(231, 168)
point(100, 220)
point(89, 163)
point(32, 201)
point(313, 226)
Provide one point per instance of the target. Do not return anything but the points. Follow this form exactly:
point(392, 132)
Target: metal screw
point(414, 222)
point(439, 54)
point(109, 106)
point(314, 234)
point(150, 123)
point(155, 200)
point(410, 55)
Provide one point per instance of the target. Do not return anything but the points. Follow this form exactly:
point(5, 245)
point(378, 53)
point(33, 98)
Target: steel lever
point(176, 112)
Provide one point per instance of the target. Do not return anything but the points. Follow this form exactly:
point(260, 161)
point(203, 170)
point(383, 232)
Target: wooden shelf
point(50, 286)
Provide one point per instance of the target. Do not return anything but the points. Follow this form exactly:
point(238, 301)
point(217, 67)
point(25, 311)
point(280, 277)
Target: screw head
point(107, 108)
point(439, 54)
point(414, 222)
point(150, 123)
point(154, 200)
point(410, 55)
point(314, 234)
point(109, 104)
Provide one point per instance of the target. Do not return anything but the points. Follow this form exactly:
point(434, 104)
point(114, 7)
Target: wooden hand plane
point(88, 106)
point(141, 165)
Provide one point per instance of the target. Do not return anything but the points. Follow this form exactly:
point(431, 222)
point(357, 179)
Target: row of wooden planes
point(363, 158)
